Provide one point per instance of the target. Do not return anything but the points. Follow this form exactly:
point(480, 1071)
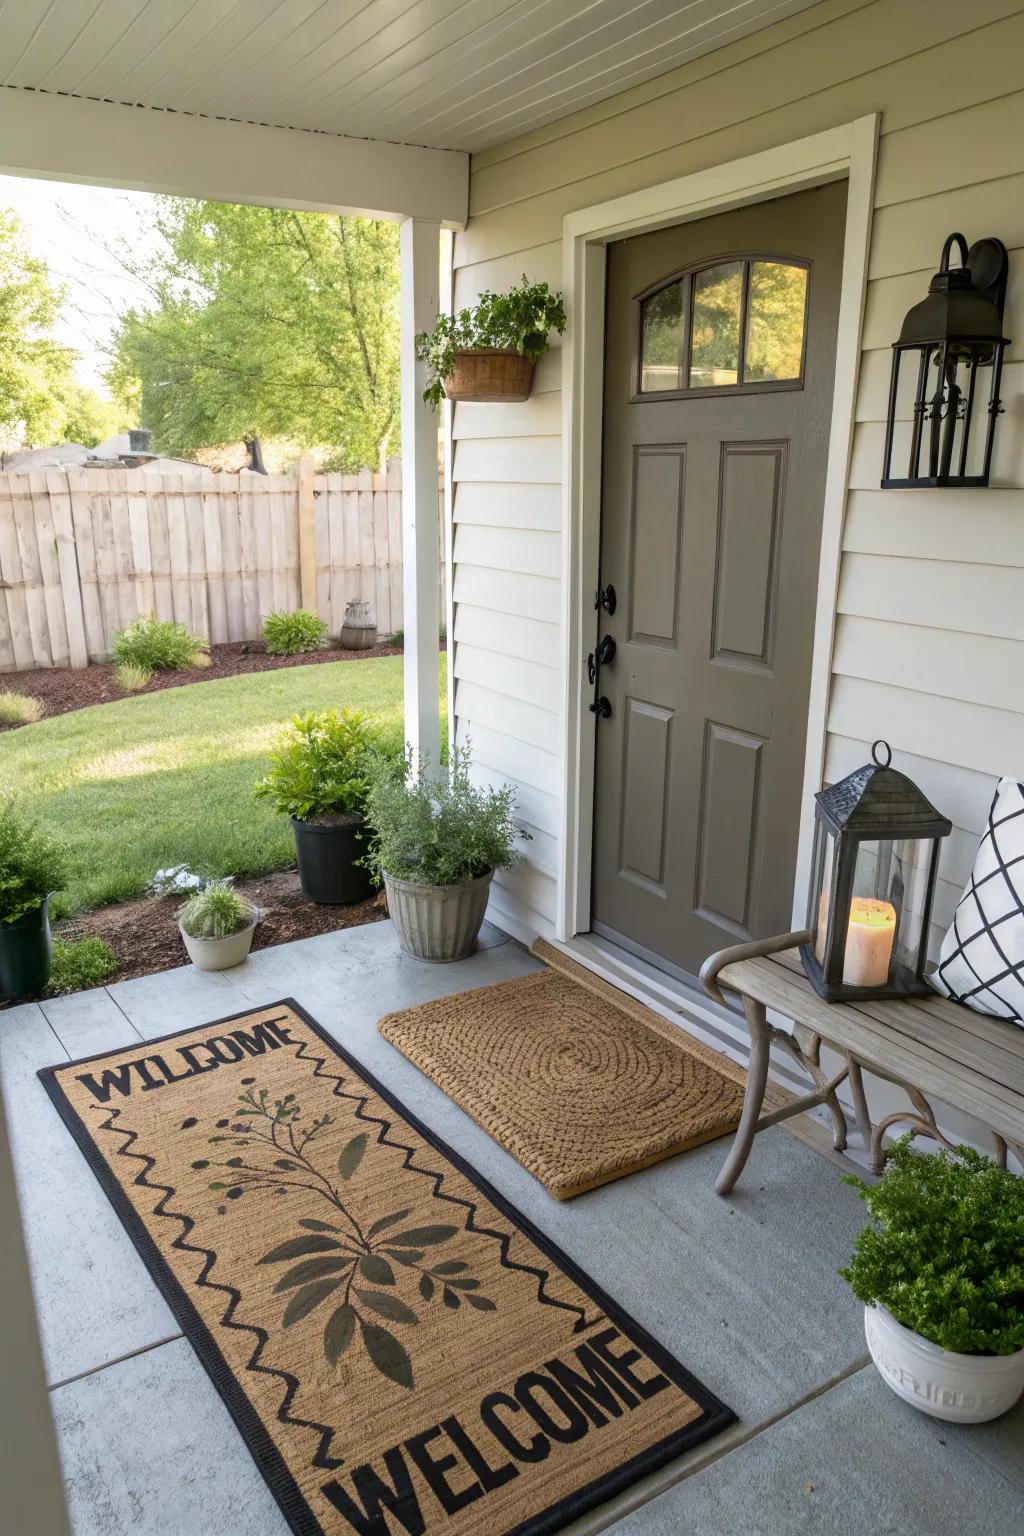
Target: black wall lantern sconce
point(950, 352)
point(873, 867)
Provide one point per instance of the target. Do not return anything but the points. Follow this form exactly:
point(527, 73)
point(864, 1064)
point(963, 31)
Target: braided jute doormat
point(578, 1081)
point(403, 1352)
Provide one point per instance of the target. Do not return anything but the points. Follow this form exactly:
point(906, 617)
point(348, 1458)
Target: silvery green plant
point(216, 912)
point(439, 828)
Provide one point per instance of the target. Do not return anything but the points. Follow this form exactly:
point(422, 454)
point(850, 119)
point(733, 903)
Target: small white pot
point(963, 1389)
point(221, 954)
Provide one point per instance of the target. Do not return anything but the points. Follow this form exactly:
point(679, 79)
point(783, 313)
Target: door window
point(736, 324)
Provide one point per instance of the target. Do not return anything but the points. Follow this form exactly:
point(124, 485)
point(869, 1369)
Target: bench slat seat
point(930, 1046)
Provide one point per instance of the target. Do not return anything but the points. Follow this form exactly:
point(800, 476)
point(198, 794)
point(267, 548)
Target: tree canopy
point(265, 322)
point(36, 372)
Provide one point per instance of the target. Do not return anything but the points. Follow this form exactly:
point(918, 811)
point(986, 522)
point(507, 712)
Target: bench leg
point(753, 1100)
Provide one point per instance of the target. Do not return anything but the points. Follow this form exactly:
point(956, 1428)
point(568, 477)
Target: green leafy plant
point(289, 634)
point(321, 766)
point(216, 912)
point(439, 829)
point(131, 677)
point(76, 966)
point(945, 1250)
point(32, 864)
point(159, 645)
point(522, 319)
point(20, 708)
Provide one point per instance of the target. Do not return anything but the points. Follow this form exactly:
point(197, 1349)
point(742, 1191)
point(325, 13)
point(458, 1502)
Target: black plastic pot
point(26, 953)
point(326, 853)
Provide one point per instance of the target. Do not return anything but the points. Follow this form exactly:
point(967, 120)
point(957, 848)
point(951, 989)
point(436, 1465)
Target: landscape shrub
point(160, 645)
point(20, 708)
point(76, 966)
point(130, 677)
point(289, 634)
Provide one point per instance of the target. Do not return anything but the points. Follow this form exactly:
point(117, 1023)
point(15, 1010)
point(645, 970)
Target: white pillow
point(982, 958)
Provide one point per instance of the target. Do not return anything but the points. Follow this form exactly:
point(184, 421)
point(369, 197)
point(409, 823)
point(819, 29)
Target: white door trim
point(848, 152)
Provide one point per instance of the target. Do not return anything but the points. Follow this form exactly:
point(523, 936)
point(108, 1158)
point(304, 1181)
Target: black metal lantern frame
point(952, 345)
point(873, 868)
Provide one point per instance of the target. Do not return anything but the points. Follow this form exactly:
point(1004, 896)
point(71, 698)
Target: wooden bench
point(926, 1045)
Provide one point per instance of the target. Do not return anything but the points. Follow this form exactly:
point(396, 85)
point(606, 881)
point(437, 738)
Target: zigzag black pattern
point(501, 1238)
point(321, 1459)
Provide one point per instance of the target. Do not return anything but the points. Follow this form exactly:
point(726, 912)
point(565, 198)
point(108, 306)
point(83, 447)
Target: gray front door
point(720, 355)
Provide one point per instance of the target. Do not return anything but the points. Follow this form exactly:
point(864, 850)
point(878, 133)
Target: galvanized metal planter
point(438, 923)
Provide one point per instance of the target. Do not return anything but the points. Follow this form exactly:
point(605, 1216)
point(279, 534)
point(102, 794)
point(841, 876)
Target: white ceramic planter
point(438, 922)
point(964, 1389)
point(221, 954)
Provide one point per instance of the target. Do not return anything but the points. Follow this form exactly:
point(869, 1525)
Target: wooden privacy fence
point(85, 552)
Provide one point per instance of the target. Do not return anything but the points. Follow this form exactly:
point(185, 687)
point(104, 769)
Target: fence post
point(307, 534)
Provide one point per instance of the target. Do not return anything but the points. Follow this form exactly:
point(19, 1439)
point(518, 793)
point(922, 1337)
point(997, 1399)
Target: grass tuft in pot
point(436, 839)
point(217, 926)
point(32, 867)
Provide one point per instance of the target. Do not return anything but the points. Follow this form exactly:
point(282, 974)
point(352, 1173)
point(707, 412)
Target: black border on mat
point(716, 1415)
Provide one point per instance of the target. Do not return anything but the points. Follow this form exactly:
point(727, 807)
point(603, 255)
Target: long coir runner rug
point(581, 1083)
point(401, 1349)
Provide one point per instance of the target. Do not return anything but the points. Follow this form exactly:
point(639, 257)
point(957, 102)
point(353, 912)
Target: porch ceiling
point(449, 74)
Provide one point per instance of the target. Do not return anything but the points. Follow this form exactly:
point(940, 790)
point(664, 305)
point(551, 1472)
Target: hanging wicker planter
point(490, 374)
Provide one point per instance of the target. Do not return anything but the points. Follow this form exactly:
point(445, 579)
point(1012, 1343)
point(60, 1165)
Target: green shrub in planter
point(290, 634)
point(944, 1252)
point(216, 912)
point(32, 866)
point(321, 765)
point(159, 645)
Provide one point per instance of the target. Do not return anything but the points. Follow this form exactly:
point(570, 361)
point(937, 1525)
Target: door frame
point(847, 152)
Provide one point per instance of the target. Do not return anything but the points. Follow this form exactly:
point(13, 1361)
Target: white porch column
point(420, 251)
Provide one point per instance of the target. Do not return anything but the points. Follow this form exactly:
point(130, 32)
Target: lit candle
point(869, 940)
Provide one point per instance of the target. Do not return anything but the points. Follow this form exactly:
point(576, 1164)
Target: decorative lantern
point(876, 851)
point(950, 353)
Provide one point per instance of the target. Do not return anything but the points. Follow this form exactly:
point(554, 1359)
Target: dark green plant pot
point(326, 854)
point(26, 953)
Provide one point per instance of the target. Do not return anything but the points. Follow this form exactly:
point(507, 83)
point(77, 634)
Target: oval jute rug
point(580, 1083)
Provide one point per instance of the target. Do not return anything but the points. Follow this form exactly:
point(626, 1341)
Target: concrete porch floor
point(744, 1291)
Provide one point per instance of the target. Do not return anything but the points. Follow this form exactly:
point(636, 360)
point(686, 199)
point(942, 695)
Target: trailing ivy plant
point(439, 829)
point(945, 1250)
point(321, 767)
point(32, 864)
point(521, 319)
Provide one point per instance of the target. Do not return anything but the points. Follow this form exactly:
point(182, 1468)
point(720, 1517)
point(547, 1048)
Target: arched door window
point(737, 324)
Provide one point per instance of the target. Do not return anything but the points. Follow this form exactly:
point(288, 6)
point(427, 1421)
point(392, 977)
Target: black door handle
point(595, 661)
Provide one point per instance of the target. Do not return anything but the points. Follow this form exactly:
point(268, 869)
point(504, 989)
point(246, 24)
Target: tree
point(87, 418)
point(266, 322)
point(35, 371)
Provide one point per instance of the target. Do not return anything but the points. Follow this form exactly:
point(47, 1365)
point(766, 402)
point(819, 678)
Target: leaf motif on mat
point(450, 1299)
point(386, 1305)
point(313, 1269)
point(377, 1270)
point(426, 1287)
point(387, 1221)
point(387, 1354)
point(318, 1226)
point(352, 1155)
point(422, 1237)
point(410, 1257)
point(296, 1247)
point(303, 1302)
point(450, 1267)
point(482, 1303)
point(341, 1325)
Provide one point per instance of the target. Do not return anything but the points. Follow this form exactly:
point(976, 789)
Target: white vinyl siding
point(930, 610)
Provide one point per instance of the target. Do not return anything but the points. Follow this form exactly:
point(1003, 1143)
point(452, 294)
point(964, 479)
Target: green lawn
point(166, 779)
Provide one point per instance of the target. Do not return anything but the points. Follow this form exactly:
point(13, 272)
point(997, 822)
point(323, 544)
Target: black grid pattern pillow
point(982, 958)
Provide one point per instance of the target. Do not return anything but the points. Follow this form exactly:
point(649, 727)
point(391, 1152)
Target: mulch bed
point(63, 689)
point(144, 934)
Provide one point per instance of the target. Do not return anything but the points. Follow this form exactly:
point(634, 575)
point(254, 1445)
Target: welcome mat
point(402, 1351)
point(581, 1083)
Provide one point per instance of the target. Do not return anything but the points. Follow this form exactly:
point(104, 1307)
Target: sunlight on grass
point(166, 778)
